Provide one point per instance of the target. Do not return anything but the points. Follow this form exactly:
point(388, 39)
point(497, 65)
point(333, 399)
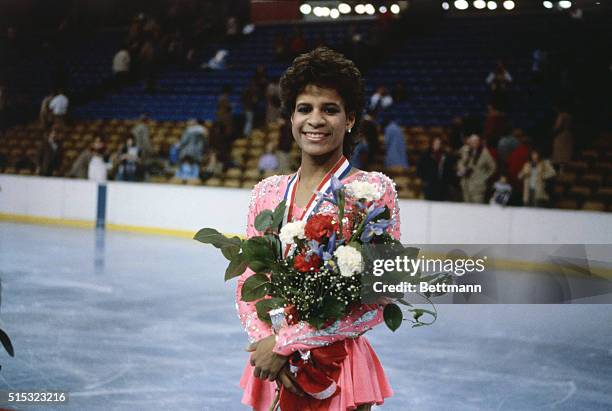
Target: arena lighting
point(480, 4)
point(461, 4)
point(565, 4)
point(325, 11)
point(318, 11)
point(382, 9)
point(548, 4)
point(509, 4)
point(360, 9)
point(344, 8)
point(370, 9)
point(395, 9)
point(491, 5)
point(445, 6)
point(334, 13)
point(305, 8)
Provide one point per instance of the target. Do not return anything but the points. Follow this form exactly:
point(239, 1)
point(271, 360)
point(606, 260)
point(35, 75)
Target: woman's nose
point(316, 119)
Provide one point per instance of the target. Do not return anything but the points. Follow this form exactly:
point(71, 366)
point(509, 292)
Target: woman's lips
point(315, 136)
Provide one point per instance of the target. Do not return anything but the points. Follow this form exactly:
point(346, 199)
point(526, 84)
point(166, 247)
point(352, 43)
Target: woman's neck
point(313, 169)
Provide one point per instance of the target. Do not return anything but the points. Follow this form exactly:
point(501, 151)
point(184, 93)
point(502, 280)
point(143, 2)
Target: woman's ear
point(350, 121)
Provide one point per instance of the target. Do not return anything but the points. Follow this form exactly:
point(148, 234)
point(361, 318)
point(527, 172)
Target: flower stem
point(276, 401)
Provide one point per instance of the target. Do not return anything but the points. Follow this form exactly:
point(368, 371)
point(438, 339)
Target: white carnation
point(292, 230)
point(349, 260)
point(363, 189)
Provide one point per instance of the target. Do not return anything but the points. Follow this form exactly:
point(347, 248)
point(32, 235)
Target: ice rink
point(126, 321)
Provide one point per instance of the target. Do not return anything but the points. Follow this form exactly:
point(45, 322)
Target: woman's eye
point(303, 109)
point(331, 110)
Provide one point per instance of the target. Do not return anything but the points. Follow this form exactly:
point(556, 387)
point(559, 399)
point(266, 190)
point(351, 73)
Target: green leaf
point(260, 249)
point(393, 316)
point(258, 266)
point(230, 251)
point(255, 287)
point(263, 221)
point(279, 213)
point(332, 308)
point(6, 342)
point(212, 236)
point(235, 268)
point(264, 306)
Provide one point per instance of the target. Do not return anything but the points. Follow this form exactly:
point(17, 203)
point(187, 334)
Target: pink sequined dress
point(362, 379)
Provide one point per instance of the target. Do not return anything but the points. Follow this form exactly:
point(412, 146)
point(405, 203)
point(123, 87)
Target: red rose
point(319, 226)
point(305, 263)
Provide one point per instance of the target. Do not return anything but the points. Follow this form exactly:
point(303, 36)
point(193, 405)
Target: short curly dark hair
point(326, 68)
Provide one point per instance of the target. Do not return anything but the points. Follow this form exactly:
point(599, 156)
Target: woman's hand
point(286, 378)
point(267, 363)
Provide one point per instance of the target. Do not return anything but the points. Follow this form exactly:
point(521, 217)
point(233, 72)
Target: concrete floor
point(137, 322)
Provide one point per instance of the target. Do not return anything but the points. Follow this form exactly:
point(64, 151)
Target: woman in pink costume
point(322, 93)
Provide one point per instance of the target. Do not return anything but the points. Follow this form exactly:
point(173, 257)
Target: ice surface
point(136, 322)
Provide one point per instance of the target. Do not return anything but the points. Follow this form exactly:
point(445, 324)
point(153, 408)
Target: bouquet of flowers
point(314, 270)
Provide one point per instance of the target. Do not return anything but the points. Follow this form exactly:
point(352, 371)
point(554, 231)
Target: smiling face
point(319, 121)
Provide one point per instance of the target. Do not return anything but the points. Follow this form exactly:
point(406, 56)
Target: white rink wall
point(167, 208)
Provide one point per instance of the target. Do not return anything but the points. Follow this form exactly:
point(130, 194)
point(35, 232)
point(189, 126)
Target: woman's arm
point(255, 328)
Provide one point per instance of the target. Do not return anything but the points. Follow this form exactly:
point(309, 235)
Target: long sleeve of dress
point(303, 336)
point(255, 328)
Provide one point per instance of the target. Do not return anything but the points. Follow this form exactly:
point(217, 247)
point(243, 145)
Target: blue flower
point(372, 229)
point(314, 248)
point(373, 212)
point(336, 187)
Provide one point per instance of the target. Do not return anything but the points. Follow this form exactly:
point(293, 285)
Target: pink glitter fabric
point(362, 378)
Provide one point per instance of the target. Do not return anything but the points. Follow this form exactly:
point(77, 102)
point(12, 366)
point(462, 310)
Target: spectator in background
point(380, 100)
point(495, 126)
point(534, 175)
point(280, 48)
point(193, 141)
point(148, 64)
point(360, 156)
point(435, 169)
point(475, 167)
point(250, 99)
point(499, 81)
point(80, 166)
point(218, 61)
point(395, 145)
point(503, 192)
point(273, 102)
point(539, 65)
point(59, 107)
point(49, 154)
point(456, 133)
point(285, 142)
point(142, 137)
point(232, 30)
point(268, 161)
point(505, 146)
point(121, 67)
point(45, 117)
point(297, 43)
point(188, 170)
point(224, 112)
point(369, 130)
point(173, 152)
point(563, 140)
point(97, 169)
point(129, 161)
point(514, 164)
